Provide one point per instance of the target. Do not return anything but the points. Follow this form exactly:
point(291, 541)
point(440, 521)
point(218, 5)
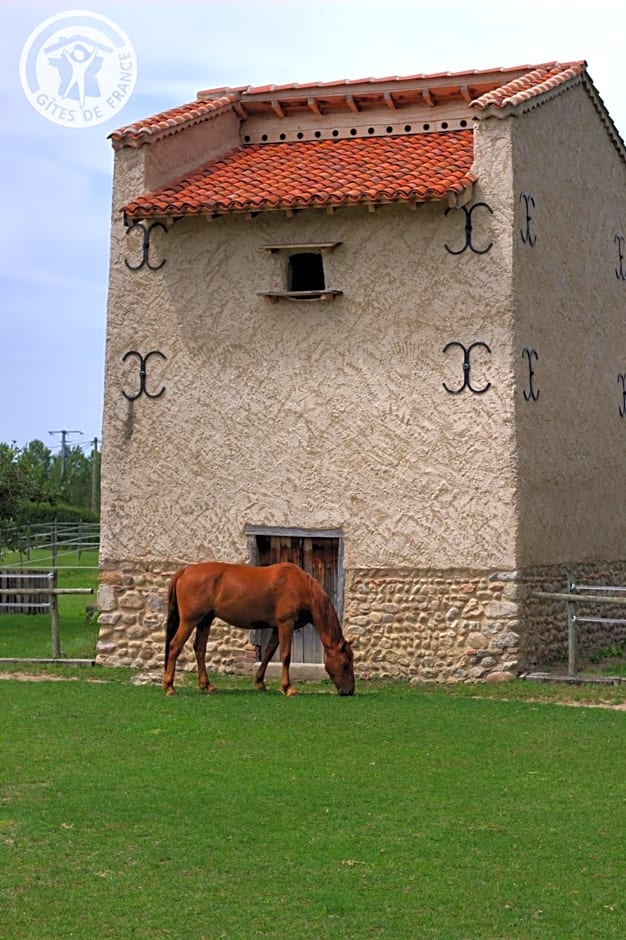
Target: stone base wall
point(416, 624)
point(132, 601)
point(421, 625)
point(429, 625)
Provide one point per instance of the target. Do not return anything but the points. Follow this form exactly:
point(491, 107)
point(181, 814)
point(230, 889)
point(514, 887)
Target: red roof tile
point(489, 87)
point(169, 122)
point(319, 173)
point(492, 76)
point(410, 167)
point(536, 82)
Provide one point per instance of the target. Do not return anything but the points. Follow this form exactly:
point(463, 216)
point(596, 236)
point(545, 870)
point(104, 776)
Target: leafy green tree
point(37, 484)
point(19, 484)
point(75, 487)
point(10, 485)
point(34, 463)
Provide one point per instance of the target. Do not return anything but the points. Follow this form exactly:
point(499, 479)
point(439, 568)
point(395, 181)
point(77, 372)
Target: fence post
point(54, 616)
point(572, 644)
point(55, 542)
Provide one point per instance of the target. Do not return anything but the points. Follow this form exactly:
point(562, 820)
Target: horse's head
point(339, 663)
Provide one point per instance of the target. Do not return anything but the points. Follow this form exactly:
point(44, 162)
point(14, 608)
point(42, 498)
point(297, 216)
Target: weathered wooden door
point(319, 556)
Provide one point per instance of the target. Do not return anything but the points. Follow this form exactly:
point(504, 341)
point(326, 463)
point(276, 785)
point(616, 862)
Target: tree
point(36, 484)
point(10, 486)
point(34, 463)
point(19, 483)
point(75, 487)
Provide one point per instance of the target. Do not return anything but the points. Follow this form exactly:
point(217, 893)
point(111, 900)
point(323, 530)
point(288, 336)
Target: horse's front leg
point(270, 649)
point(199, 648)
point(175, 645)
point(285, 634)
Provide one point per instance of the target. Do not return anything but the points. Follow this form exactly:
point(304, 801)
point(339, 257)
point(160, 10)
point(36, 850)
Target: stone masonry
point(434, 626)
point(421, 625)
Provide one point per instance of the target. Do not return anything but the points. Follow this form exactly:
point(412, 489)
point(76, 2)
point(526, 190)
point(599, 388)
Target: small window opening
point(306, 272)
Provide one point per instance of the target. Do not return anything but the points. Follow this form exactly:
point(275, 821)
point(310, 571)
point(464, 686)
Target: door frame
point(288, 533)
point(251, 532)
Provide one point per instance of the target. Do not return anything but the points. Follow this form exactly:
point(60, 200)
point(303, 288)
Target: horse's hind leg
point(199, 648)
point(270, 649)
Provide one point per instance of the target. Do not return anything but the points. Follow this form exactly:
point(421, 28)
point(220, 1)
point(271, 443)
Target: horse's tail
point(173, 615)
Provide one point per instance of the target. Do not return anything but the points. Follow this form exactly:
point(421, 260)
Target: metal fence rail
point(580, 594)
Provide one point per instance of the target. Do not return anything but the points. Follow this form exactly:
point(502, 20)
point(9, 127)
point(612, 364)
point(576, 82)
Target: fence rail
point(572, 599)
point(39, 598)
point(31, 587)
point(54, 537)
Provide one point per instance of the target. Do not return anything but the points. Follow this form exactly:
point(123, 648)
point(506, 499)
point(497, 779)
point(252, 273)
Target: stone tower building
point(377, 327)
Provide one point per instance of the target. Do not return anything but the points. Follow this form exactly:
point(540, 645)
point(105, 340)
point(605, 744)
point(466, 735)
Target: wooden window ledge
point(275, 295)
point(322, 247)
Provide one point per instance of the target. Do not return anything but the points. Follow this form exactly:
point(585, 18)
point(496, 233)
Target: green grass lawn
point(459, 814)
point(29, 635)
point(455, 813)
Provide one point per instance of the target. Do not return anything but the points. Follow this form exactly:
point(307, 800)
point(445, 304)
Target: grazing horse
point(282, 597)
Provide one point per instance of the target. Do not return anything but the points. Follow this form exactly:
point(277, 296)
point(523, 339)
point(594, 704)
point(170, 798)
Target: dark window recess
point(306, 272)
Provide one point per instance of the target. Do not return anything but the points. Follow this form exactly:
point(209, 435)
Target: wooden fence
point(54, 538)
point(35, 592)
point(20, 585)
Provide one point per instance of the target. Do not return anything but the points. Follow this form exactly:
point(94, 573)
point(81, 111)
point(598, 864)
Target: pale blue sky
point(55, 182)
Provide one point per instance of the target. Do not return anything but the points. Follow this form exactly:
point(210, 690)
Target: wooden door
point(319, 556)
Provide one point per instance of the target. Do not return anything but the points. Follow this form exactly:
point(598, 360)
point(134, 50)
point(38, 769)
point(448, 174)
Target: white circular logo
point(78, 69)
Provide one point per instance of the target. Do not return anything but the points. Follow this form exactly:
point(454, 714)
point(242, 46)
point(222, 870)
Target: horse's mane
point(324, 611)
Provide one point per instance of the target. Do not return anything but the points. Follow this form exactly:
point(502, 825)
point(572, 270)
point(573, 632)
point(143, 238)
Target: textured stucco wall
point(317, 415)
point(321, 415)
point(571, 308)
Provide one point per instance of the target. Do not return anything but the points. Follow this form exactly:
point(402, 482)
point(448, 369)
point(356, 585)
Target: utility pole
point(95, 475)
point(64, 437)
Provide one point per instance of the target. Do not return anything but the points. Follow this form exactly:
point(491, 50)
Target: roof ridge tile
point(534, 83)
point(193, 112)
point(373, 80)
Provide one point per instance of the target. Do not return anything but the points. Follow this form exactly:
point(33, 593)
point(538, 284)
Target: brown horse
point(282, 597)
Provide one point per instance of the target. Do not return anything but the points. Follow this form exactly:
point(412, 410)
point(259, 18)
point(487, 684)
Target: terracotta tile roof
point(319, 173)
point(483, 88)
point(169, 122)
point(496, 77)
point(271, 171)
point(536, 82)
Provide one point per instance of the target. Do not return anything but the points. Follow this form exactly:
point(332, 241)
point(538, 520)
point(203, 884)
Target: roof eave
point(454, 198)
point(605, 117)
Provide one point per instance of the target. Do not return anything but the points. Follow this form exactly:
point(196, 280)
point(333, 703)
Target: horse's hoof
point(170, 691)
point(290, 692)
point(209, 689)
point(261, 687)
